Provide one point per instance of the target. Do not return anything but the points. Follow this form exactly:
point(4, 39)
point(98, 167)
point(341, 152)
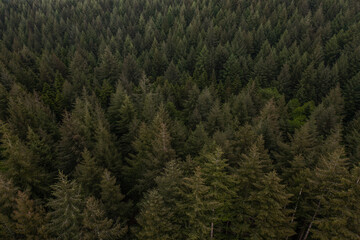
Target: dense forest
point(169, 119)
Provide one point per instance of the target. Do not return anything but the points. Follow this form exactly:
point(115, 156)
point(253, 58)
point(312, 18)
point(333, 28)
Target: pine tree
point(197, 139)
point(153, 151)
point(112, 198)
point(222, 190)
point(97, 226)
point(27, 110)
point(197, 206)
point(88, 174)
point(155, 219)
point(333, 186)
point(65, 216)
point(268, 125)
point(267, 209)
point(352, 139)
point(7, 205)
point(29, 217)
point(328, 115)
point(108, 68)
point(23, 164)
point(105, 150)
point(121, 113)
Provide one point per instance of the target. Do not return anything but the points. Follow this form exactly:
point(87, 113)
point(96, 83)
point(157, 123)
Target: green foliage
point(111, 196)
point(143, 94)
point(97, 226)
point(66, 206)
point(155, 219)
point(299, 114)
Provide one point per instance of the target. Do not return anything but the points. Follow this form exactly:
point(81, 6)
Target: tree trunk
point(212, 231)
point(297, 203)
point(312, 221)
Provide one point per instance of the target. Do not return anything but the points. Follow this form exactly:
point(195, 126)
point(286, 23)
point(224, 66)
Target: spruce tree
point(8, 193)
point(97, 226)
point(66, 206)
point(197, 206)
point(156, 219)
point(29, 217)
point(221, 190)
point(267, 209)
point(112, 198)
point(88, 174)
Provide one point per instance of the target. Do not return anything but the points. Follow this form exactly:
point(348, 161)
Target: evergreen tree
point(88, 174)
point(97, 226)
point(197, 205)
point(221, 192)
point(333, 187)
point(267, 209)
point(153, 147)
point(111, 197)
point(24, 164)
point(7, 205)
point(29, 218)
point(155, 219)
point(65, 216)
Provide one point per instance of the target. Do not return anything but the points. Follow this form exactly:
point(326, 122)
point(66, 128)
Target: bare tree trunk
point(212, 230)
point(297, 203)
point(312, 221)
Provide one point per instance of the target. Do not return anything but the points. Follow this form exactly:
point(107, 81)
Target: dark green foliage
point(144, 94)
point(155, 219)
point(111, 196)
point(88, 174)
point(7, 206)
point(97, 226)
point(65, 216)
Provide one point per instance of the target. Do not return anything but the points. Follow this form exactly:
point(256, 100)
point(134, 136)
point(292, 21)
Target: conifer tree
point(7, 205)
point(156, 219)
point(267, 209)
point(111, 197)
point(248, 172)
point(97, 226)
point(29, 218)
point(197, 205)
point(153, 151)
point(221, 190)
point(197, 139)
point(121, 113)
point(23, 164)
point(88, 174)
point(352, 139)
point(3, 102)
point(331, 181)
point(65, 216)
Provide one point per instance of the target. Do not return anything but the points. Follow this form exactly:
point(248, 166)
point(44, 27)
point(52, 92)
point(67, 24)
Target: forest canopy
point(168, 119)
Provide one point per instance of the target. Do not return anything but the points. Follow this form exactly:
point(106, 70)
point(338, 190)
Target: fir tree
point(29, 218)
point(88, 174)
point(111, 196)
point(65, 216)
point(97, 226)
point(155, 219)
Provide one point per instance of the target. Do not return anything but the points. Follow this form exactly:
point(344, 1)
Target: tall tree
point(65, 216)
point(112, 198)
point(155, 219)
point(97, 226)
